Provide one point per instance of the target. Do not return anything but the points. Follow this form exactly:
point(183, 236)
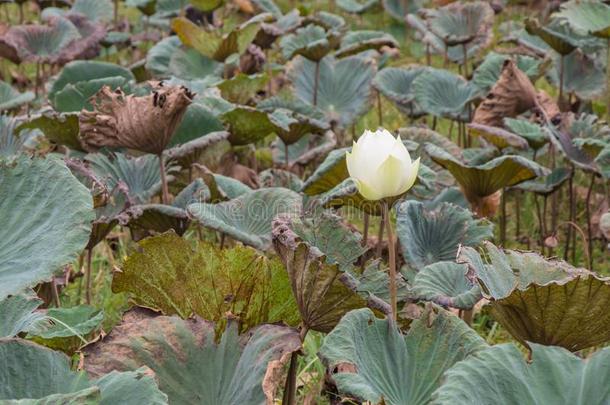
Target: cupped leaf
point(318, 253)
point(197, 122)
point(69, 327)
point(460, 23)
point(292, 125)
point(223, 187)
point(582, 75)
point(540, 300)
point(588, 17)
point(46, 221)
point(498, 137)
point(190, 365)
point(13, 142)
point(18, 314)
point(330, 173)
point(500, 374)
point(446, 284)
point(11, 98)
point(397, 85)
point(355, 42)
point(557, 34)
point(432, 234)
point(248, 217)
point(344, 86)
point(199, 149)
point(532, 133)
point(481, 181)
point(548, 184)
point(443, 94)
point(33, 374)
point(398, 9)
point(371, 360)
point(247, 124)
point(311, 42)
point(241, 88)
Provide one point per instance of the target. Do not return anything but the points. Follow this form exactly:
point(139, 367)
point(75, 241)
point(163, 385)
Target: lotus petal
point(540, 300)
point(169, 274)
point(500, 374)
point(144, 123)
point(430, 235)
point(344, 86)
point(396, 84)
point(39, 232)
point(443, 94)
point(371, 360)
point(447, 284)
point(318, 253)
point(35, 374)
point(11, 98)
point(248, 217)
point(190, 365)
point(479, 182)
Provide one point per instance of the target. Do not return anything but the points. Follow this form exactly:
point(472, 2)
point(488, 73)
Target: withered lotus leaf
point(144, 123)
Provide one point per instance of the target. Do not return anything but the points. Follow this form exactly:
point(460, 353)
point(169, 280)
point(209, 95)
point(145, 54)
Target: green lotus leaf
point(398, 9)
point(33, 374)
point(333, 23)
point(206, 5)
point(310, 41)
point(162, 218)
point(146, 7)
point(197, 122)
point(318, 252)
point(189, 64)
point(11, 142)
point(498, 137)
point(375, 281)
point(330, 173)
point(355, 42)
point(248, 217)
point(371, 360)
point(284, 24)
point(344, 86)
point(446, 284)
point(488, 72)
point(18, 314)
point(39, 233)
point(500, 374)
point(603, 161)
point(241, 88)
point(443, 94)
point(346, 194)
point(356, 6)
point(199, 149)
point(549, 184)
point(310, 148)
point(159, 56)
point(531, 132)
point(247, 124)
point(396, 85)
point(422, 136)
point(268, 6)
point(481, 181)
point(69, 326)
point(588, 17)
point(140, 174)
point(280, 178)
point(542, 300)
point(11, 98)
point(557, 34)
point(190, 364)
point(61, 129)
point(76, 96)
point(213, 44)
point(94, 10)
point(461, 23)
point(430, 235)
point(582, 76)
point(170, 274)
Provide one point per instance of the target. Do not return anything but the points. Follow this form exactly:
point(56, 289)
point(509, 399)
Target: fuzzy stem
point(88, 276)
point(589, 229)
point(164, 189)
point(392, 256)
point(315, 83)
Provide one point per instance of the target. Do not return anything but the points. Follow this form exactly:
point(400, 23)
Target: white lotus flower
point(380, 165)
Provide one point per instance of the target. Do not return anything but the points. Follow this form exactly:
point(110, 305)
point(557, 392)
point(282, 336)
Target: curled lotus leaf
point(443, 94)
point(461, 23)
point(355, 42)
point(446, 284)
point(11, 98)
point(498, 137)
point(357, 6)
point(144, 123)
point(531, 132)
point(480, 182)
point(283, 24)
point(190, 365)
point(372, 360)
point(248, 217)
point(191, 152)
point(34, 374)
point(540, 300)
point(557, 34)
point(18, 314)
point(311, 42)
point(68, 326)
point(344, 86)
point(242, 88)
point(59, 128)
point(397, 85)
point(39, 234)
point(488, 72)
point(224, 188)
point(214, 44)
point(588, 17)
point(547, 185)
point(432, 234)
point(247, 124)
point(582, 76)
point(318, 252)
point(552, 375)
point(172, 275)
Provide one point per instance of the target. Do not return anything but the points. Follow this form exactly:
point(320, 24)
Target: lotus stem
point(518, 214)
point(21, 18)
point(539, 215)
point(315, 83)
point(88, 276)
point(379, 112)
point(503, 219)
point(465, 51)
point(582, 235)
point(466, 315)
point(55, 293)
point(544, 231)
point(608, 80)
point(570, 213)
point(164, 189)
point(589, 229)
point(286, 159)
point(116, 13)
point(37, 83)
point(365, 237)
point(290, 388)
point(380, 236)
point(392, 256)
point(428, 56)
point(560, 99)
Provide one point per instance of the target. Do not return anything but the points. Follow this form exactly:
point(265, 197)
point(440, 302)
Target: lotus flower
point(381, 166)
